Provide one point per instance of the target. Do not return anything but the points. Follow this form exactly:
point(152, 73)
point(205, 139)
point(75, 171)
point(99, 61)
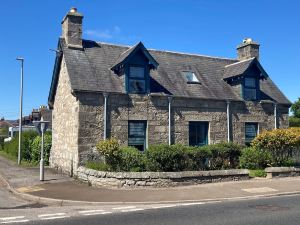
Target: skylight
point(190, 77)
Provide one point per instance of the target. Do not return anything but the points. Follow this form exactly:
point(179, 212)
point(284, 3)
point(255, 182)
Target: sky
point(212, 27)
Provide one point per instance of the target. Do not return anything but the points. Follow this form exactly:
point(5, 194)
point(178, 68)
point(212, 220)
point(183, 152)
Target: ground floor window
point(137, 134)
point(250, 132)
point(198, 133)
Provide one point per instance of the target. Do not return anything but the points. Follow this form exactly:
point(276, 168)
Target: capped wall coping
point(282, 171)
point(158, 179)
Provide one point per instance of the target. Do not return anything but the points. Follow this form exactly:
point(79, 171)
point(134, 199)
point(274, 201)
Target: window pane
point(250, 132)
point(137, 86)
point(190, 76)
point(249, 94)
point(137, 72)
point(198, 133)
point(137, 134)
point(250, 82)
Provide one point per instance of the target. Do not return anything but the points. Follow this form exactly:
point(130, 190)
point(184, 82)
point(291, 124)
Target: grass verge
point(14, 160)
point(257, 173)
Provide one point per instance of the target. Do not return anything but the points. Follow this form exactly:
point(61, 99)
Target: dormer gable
point(130, 53)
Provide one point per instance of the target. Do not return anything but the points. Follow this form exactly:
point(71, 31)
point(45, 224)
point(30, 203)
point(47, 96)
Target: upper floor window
point(137, 80)
point(250, 88)
point(190, 77)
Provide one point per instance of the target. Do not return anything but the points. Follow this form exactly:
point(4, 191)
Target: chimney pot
point(73, 10)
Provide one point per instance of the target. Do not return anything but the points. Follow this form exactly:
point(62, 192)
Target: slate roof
point(239, 68)
point(90, 71)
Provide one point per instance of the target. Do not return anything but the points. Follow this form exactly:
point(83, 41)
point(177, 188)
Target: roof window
point(190, 77)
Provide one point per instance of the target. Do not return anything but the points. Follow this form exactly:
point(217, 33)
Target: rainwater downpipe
point(275, 115)
point(228, 120)
point(105, 95)
point(169, 101)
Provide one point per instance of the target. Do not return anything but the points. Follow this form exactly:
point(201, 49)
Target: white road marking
point(54, 217)
point(163, 206)
point(96, 213)
point(193, 203)
point(15, 221)
point(53, 214)
point(91, 211)
point(131, 210)
point(259, 190)
point(12, 218)
point(125, 207)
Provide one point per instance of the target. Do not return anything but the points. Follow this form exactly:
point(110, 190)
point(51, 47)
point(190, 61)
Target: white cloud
point(104, 34)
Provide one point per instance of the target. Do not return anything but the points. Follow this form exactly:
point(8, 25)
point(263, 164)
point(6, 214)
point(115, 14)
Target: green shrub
point(11, 148)
point(165, 158)
point(36, 148)
point(223, 155)
point(281, 144)
point(196, 158)
point(294, 121)
point(131, 159)
point(253, 158)
point(98, 166)
point(110, 149)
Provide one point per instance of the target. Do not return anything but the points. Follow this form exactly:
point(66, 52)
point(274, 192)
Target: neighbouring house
point(143, 96)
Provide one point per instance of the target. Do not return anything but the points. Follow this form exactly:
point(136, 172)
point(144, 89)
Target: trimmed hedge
point(168, 158)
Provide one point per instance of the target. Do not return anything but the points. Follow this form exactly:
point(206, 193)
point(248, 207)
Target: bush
point(257, 173)
point(131, 159)
point(98, 166)
point(253, 158)
point(110, 149)
point(281, 144)
point(165, 158)
point(294, 121)
point(196, 158)
point(11, 148)
point(223, 155)
point(36, 148)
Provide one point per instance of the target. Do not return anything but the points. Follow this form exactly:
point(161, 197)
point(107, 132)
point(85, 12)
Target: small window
point(250, 132)
point(137, 134)
point(190, 77)
point(137, 80)
point(250, 89)
point(198, 133)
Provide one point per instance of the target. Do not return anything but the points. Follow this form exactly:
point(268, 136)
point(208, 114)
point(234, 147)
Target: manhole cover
point(271, 208)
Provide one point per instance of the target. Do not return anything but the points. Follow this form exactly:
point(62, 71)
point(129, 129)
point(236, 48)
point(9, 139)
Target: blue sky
point(212, 27)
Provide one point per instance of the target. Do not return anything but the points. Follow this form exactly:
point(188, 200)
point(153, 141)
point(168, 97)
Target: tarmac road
point(268, 211)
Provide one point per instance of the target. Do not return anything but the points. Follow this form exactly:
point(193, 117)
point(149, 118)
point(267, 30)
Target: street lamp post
point(21, 109)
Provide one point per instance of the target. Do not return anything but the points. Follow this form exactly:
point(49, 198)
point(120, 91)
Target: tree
point(296, 108)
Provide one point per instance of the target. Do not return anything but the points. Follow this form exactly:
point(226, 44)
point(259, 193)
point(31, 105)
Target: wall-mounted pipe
point(228, 121)
point(170, 124)
point(275, 116)
point(105, 95)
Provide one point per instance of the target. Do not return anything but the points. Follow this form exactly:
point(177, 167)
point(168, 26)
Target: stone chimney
point(248, 49)
point(72, 28)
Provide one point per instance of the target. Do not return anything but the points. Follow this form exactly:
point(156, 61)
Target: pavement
point(60, 189)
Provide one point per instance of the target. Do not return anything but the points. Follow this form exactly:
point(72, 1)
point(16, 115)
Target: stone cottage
point(143, 96)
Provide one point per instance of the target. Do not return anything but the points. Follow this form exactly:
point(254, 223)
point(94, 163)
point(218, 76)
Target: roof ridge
point(166, 51)
point(240, 62)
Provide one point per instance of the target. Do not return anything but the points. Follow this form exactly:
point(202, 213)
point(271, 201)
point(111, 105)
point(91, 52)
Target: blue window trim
point(257, 88)
point(146, 78)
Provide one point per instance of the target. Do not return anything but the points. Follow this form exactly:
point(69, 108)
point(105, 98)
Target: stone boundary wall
point(273, 172)
point(157, 179)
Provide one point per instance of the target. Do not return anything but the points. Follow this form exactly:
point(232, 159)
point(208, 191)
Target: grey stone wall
point(157, 179)
point(64, 149)
point(78, 121)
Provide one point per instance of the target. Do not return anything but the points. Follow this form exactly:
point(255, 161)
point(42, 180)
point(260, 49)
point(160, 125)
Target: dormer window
point(190, 77)
point(250, 89)
point(137, 80)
